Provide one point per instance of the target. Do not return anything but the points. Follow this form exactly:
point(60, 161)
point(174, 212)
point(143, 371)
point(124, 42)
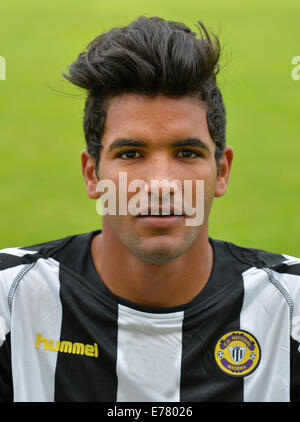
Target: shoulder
point(13, 257)
point(280, 270)
point(63, 249)
point(255, 257)
point(36, 264)
point(279, 264)
point(257, 262)
point(15, 262)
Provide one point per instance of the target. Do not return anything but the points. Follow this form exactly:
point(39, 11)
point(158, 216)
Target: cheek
point(106, 173)
point(208, 178)
point(118, 225)
point(117, 191)
point(210, 187)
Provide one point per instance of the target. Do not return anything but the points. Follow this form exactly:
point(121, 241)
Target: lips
point(174, 212)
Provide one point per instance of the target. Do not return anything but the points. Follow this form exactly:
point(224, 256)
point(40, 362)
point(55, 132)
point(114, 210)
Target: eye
point(188, 153)
point(128, 155)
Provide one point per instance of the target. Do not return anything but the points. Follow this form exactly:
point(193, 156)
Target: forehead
point(155, 119)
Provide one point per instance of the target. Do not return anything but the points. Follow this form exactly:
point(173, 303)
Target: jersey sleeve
point(11, 263)
point(295, 372)
point(288, 274)
point(6, 389)
point(6, 385)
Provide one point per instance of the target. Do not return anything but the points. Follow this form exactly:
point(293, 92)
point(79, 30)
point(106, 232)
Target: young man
point(150, 308)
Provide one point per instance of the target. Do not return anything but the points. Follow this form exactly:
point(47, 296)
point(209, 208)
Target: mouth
point(160, 219)
point(160, 214)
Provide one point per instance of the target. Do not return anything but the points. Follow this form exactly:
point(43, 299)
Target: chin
point(157, 257)
point(160, 251)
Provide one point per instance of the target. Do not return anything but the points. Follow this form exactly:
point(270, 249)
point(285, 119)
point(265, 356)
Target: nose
point(158, 167)
point(159, 175)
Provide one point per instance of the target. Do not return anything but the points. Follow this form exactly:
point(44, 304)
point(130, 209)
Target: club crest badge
point(237, 353)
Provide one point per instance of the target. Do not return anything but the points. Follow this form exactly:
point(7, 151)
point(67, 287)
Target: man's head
point(153, 83)
point(150, 56)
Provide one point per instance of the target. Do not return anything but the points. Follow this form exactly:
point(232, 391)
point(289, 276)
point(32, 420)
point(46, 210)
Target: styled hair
point(150, 56)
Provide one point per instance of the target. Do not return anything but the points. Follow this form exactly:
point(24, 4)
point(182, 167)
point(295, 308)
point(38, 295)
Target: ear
point(225, 164)
point(89, 174)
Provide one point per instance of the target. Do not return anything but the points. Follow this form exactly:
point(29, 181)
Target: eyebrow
point(120, 142)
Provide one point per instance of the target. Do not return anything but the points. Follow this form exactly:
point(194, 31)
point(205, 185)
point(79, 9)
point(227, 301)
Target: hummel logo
point(67, 346)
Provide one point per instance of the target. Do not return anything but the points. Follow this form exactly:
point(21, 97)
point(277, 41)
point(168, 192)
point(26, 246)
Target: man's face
point(150, 139)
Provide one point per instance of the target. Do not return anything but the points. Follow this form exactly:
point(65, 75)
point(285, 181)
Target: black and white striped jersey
point(65, 337)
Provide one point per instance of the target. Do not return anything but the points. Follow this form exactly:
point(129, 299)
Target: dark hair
point(150, 56)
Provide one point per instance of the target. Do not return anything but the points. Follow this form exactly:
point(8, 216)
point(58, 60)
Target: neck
point(157, 285)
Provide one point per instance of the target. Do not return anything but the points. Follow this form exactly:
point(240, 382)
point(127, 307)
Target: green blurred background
point(41, 135)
